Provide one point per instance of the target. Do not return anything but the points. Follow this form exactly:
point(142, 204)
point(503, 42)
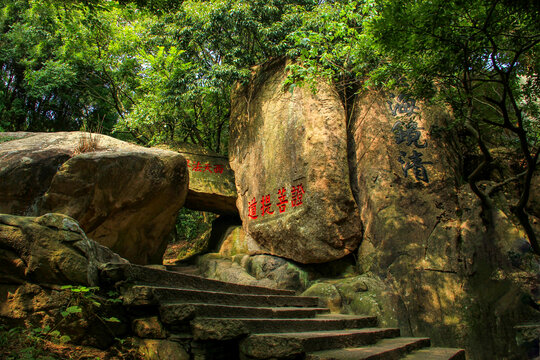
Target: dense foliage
point(159, 76)
point(161, 71)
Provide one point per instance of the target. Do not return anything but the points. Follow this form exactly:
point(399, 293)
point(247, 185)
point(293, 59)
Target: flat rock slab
point(384, 349)
point(151, 295)
point(113, 273)
point(437, 354)
point(288, 150)
point(172, 313)
point(208, 328)
point(262, 346)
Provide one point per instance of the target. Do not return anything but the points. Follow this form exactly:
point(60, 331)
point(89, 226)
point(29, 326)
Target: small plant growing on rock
point(86, 296)
point(89, 140)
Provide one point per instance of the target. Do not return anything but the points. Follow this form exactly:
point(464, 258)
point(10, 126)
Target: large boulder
point(38, 255)
point(448, 277)
point(288, 150)
point(124, 196)
point(404, 175)
point(211, 180)
point(50, 249)
point(26, 171)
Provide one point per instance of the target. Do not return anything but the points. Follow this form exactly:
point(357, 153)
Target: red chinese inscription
point(253, 209)
point(212, 168)
point(197, 167)
point(297, 193)
point(266, 202)
point(282, 198)
point(207, 168)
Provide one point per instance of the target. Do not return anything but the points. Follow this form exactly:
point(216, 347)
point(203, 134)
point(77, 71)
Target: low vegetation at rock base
point(18, 343)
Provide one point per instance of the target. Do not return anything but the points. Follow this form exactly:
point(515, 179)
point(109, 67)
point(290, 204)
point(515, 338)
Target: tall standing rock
point(424, 237)
point(288, 150)
point(404, 174)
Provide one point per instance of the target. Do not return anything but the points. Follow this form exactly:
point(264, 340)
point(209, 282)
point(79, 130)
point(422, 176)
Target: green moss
point(7, 138)
point(302, 274)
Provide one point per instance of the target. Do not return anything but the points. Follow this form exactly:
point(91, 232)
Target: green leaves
point(71, 310)
point(112, 319)
point(65, 64)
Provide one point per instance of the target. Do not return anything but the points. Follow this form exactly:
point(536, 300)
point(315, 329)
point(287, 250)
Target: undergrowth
point(49, 343)
point(24, 344)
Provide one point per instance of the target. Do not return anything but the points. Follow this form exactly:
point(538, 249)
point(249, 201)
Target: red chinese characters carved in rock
point(266, 202)
point(197, 167)
point(212, 168)
point(297, 193)
point(252, 208)
point(282, 198)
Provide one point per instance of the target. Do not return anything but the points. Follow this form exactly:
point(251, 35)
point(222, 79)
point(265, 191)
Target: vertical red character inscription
point(265, 205)
point(296, 193)
point(282, 200)
point(218, 169)
point(252, 209)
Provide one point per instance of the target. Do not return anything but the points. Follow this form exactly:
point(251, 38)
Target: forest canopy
point(161, 71)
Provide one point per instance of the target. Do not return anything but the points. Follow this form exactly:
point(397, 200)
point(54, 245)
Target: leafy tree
point(481, 58)
point(195, 55)
point(64, 64)
point(332, 43)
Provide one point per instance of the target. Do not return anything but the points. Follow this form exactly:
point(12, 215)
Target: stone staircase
point(217, 320)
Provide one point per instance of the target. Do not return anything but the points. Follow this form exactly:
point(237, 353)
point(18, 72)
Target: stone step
point(282, 345)
point(437, 354)
point(184, 269)
point(173, 313)
point(230, 328)
point(386, 349)
point(136, 274)
point(154, 295)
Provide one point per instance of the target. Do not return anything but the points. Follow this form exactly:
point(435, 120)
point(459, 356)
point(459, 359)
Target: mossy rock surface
point(211, 180)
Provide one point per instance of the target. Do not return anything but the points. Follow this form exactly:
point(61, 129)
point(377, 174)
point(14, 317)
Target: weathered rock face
point(404, 175)
point(259, 270)
point(50, 249)
point(211, 180)
point(26, 173)
point(235, 241)
point(424, 237)
point(289, 154)
point(124, 196)
point(127, 201)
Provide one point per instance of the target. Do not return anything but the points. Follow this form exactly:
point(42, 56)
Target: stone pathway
point(215, 320)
